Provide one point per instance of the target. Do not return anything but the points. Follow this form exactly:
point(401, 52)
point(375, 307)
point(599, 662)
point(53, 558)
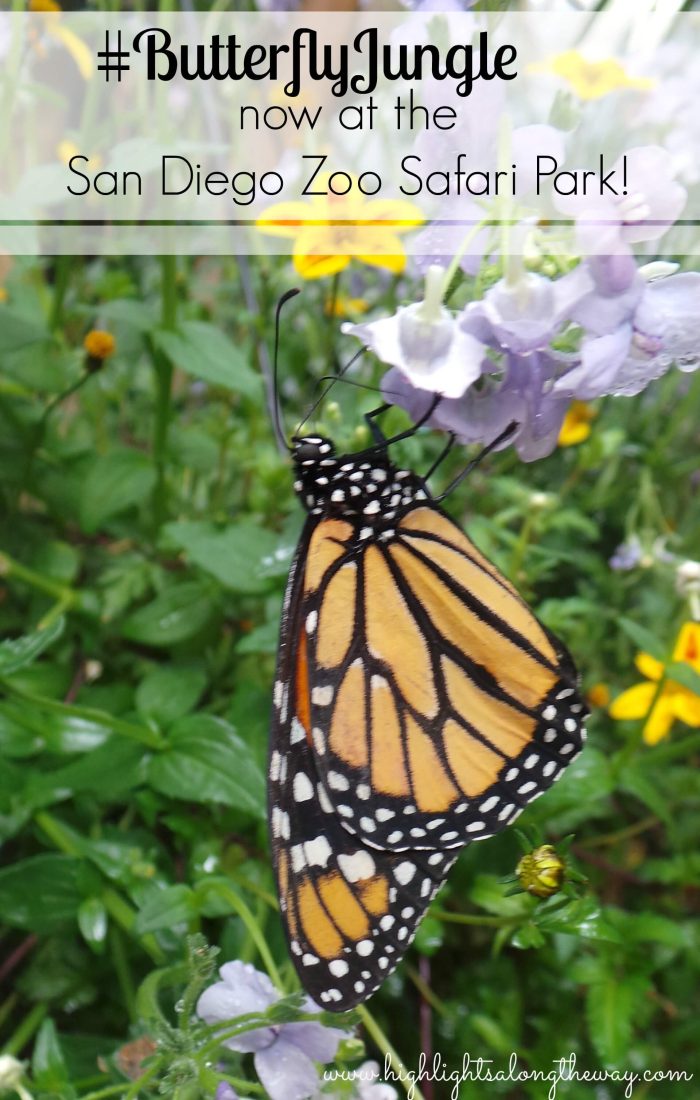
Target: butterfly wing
point(349, 910)
point(439, 706)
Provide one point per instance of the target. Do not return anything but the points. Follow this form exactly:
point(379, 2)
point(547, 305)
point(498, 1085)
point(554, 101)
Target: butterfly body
point(418, 705)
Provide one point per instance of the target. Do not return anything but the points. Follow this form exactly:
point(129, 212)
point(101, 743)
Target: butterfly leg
point(371, 422)
point(379, 437)
point(441, 457)
point(475, 461)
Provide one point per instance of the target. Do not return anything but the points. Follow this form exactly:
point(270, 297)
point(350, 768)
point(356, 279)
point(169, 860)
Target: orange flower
point(598, 695)
point(331, 230)
point(99, 344)
point(661, 700)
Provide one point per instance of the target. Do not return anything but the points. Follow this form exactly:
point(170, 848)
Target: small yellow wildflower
point(3, 294)
point(598, 695)
point(341, 306)
point(661, 700)
point(593, 79)
point(331, 230)
point(44, 5)
point(541, 872)
point(99, 345)
point(67, 149)
point(577, 424)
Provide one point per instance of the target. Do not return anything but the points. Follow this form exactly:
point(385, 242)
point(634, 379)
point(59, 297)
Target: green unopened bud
point(541, 872)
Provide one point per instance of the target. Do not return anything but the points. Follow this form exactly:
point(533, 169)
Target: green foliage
point(150, 523)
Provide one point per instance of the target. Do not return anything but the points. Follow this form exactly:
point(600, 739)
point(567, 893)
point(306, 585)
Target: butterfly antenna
point(279, 430)
point(332, 379)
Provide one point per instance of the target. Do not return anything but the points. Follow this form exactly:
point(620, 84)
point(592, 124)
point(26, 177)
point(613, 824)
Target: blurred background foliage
point(148, 523)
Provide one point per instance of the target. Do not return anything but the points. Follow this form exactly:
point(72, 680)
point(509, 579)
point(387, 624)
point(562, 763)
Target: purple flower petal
point(678, 300)
point(433, 355)
point(601, 358)
point(242, 990)
point(224, 1091)
point(285, 1072)
point(316, 1041)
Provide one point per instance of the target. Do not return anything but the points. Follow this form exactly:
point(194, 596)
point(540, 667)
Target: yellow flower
point(55, 29)
point(593, 79)
point(598, 695)
point(331, 230)
point(541, 872)
point(99, 344)
point(341, 306)
point(577, 424)
point(661, 700)
point(67, 149)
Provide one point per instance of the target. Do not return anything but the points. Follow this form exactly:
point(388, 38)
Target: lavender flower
point(284, 1054)
point(224, 1091)
point(367, 1085)
point(634, 336)
point(633, 330)
point(653, 202)
point(627, 556)
point(425, 342)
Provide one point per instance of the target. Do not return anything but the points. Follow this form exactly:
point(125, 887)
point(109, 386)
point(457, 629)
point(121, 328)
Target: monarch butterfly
point(418, 705)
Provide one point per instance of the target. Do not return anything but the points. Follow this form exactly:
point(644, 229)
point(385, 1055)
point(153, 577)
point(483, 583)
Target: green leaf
point(129, 311)
point(49, 1069)
point(611, 1004)
point(643, 638)
point(684, 674)
point(582, 917)
point(262, 639)
point(430, 936)
point(16, 332)
point(176, 614)
point(110, 771)
point(527, 936)
point(205, 352)
point(208, 762)
point(118, 480)
point(92, 922)
point(635, 780)
point(164, 908)
point(40, 894)
point(647, 928)
point(234, 555)
point(16, 653)
point(167, 693)
point(492, 895)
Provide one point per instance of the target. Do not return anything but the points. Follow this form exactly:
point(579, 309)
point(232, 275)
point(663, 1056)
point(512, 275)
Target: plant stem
point(26, 1029)
point(143, 734)
point(123, 972)
point(474, 919)
point(397, 1065)
point(62, 266)
point(9, 567)
point(164, 380)
point(101, 1094)
point(251, 924)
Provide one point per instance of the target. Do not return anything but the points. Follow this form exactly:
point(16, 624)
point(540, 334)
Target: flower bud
point(99, 345)
point(541, 872)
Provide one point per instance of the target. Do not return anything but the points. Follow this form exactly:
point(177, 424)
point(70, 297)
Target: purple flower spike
point(284, 1054)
